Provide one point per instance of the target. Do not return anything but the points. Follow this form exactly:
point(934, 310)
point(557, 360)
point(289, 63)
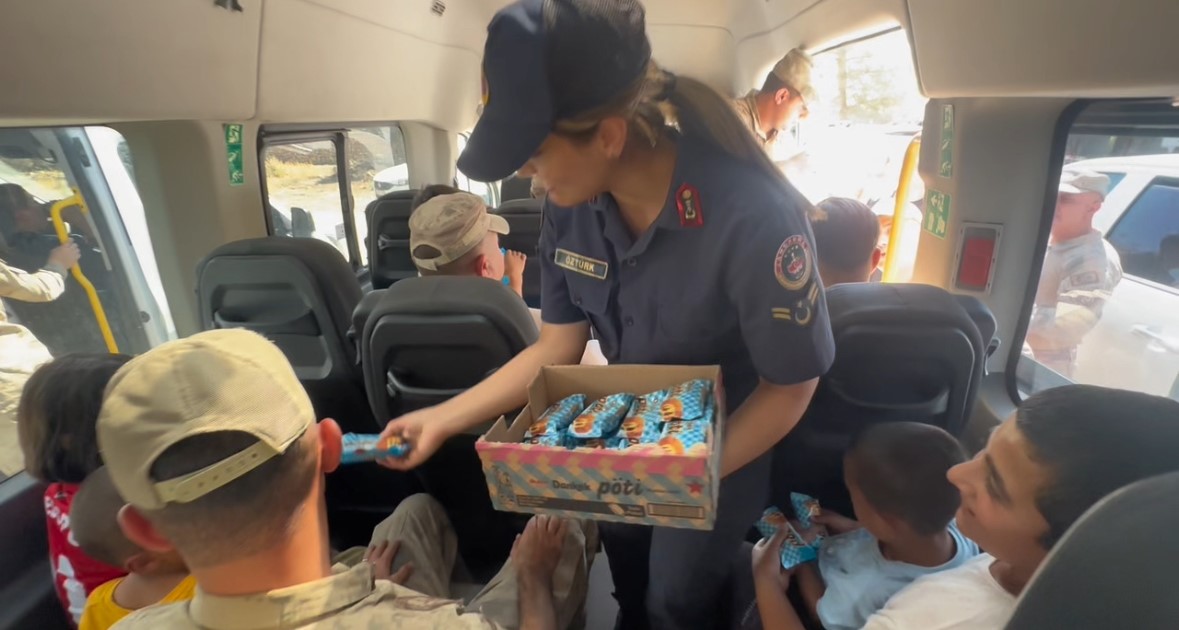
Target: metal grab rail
point(104, 325)
point(896, 230)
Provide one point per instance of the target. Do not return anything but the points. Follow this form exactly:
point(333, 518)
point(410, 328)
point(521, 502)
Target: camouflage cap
point(220, 380)
point(452, 225)
point(1075, 182)
point(795, 71)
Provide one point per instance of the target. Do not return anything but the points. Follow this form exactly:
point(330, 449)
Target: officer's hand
point(65, 256)
point(834, 522)
point(424, 430)
point(381, 555)
point(767, 560)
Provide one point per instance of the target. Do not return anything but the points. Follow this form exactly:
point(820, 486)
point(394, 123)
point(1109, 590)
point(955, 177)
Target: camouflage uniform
point(746, 108)
point(353, 599)
point(1078, 277)
point(20, 352)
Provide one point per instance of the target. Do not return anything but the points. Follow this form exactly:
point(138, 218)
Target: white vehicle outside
point(1136, 343)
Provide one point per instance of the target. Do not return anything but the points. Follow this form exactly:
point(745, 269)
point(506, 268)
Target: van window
point(1147, 236)
point(318, 184)
point(868, 108)
point(304, 191)
point(38, 168)
point(1106, 310)
point(376, 165)
point(489, 192)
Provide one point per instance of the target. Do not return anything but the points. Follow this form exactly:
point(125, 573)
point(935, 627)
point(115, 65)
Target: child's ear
point(331, 444)
point(141, 532)
point(877, 254)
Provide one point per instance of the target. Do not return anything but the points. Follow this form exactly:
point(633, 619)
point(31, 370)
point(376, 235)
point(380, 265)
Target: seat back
point(1114, 568)
point(299, 293)
point(429, 339)
point(524, 218)
point(514, 188)
point(903, 352)
point(388, 238)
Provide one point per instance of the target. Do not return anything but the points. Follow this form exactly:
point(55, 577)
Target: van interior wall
point(190, 207)
point(1002, 174)
point(431, 153)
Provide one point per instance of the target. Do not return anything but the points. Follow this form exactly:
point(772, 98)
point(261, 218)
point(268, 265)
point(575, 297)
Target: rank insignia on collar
point(687, 201)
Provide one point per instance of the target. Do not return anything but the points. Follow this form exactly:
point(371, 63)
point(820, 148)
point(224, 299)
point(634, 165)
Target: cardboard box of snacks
point(649, 483)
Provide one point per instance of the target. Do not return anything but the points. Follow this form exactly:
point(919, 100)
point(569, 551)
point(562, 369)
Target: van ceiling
point(341, 60)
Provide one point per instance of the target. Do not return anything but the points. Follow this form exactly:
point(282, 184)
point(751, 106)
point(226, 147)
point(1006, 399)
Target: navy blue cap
point(544, 61)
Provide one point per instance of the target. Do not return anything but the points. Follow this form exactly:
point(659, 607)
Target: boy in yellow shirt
point(154, 578)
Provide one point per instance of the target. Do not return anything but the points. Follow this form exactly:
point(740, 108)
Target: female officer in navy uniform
point(668, 230)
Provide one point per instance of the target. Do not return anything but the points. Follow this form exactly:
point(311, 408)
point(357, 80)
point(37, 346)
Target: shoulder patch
point(794, 264)
point(687, 201)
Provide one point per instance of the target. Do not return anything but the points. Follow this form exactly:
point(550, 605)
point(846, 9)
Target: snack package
point(603, 417)
point(573, 442)
point(683, 436)
point(805, 508)
point(687, 401)
point(799, 547)
point(643, 424)
point(358, 447)
point(559, 439)
point(557, 417)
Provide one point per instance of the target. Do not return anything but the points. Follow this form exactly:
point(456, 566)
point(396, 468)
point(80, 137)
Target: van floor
point(600, 607)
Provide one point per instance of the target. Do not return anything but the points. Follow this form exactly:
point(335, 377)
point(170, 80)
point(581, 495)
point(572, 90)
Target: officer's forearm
point(769, 413)
point(1065, 330)
point(507, 389)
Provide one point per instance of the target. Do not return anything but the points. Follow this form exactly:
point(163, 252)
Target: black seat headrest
point(334, 275)
point(514, 188)
point(1112, 568)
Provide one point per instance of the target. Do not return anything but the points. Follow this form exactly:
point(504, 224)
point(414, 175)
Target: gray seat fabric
point(514, 188)
point(430, 338)
point(388, 238)
point(1115, 568)
point(903, 352)
point(524, 218)
point(300, 293)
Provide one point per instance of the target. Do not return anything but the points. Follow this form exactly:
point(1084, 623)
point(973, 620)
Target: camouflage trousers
point(428, 541)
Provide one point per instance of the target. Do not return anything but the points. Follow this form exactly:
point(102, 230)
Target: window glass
point(1106, 310)
point(1144, 235)
point(39, 319)
point(853, 140)
point(489, 192)
point(376, 165)
point(303, 186)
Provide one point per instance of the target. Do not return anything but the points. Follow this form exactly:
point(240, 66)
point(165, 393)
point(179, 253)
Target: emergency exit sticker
point(937, 213)
point(233, 153)
point(946, 153)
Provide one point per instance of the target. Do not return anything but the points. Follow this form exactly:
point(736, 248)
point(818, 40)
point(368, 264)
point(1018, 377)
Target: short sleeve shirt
point(726, 275)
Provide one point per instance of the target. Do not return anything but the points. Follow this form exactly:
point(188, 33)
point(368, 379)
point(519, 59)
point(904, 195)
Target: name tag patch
point(583, 265)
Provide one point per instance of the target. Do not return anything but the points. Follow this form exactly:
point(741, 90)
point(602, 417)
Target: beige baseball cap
point(795, 71)
point(221, 380)
point(1075, 182)
point(453, 225)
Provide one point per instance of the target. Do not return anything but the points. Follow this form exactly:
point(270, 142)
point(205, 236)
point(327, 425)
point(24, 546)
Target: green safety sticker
point(946, 154)
point(233, 153)
point(937, 213)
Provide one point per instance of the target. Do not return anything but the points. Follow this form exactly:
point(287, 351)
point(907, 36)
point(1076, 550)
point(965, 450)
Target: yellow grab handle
point(896, 230)
point(95, 304)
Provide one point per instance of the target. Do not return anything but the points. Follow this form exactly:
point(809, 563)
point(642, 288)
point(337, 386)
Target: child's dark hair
point(58, 415)
point(431, 191)
point(900, 468)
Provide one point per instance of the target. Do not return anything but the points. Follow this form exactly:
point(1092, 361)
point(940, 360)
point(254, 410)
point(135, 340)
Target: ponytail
point(661, 99)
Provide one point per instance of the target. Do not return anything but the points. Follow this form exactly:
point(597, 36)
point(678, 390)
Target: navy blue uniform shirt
point(726, 275)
